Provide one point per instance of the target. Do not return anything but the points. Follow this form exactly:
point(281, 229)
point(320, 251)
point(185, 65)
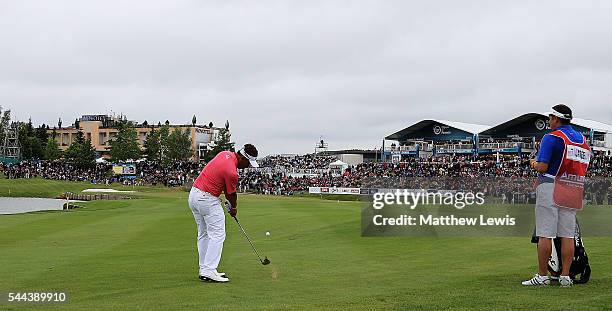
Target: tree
point(223, 140)
point(152, 146)
point(32, 141)
point(75, 147)
point(52, 151)
point(36, 148)
point(179, 146)
point(125, 145)
point(26, 132)
point(222, 143)
point(164, 133)
point(81, 152)
point(87, 157)
point(24, 143)
point(5, 120)
point(41, 134)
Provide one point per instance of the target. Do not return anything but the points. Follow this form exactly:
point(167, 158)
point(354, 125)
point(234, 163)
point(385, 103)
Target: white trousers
point(210, 218)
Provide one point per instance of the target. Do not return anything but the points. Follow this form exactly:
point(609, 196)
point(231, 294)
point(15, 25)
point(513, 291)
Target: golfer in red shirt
point(220, 175)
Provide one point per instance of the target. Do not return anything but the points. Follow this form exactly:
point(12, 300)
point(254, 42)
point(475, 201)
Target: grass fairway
point(140, 254)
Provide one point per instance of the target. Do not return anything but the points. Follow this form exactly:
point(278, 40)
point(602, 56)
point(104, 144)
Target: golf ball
point(267, 233)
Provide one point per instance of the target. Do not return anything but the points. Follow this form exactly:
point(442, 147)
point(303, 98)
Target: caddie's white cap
point(566, 116)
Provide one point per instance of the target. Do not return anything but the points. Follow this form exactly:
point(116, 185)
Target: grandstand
point(518, 136)
point(532, 126)
point(430, 137)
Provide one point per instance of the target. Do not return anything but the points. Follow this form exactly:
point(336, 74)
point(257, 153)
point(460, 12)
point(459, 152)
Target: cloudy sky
point(285, 73)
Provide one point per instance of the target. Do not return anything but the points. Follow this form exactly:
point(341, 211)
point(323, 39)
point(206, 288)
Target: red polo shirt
point(219, 175)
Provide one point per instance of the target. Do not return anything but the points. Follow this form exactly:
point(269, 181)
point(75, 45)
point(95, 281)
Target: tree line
point(163, 144)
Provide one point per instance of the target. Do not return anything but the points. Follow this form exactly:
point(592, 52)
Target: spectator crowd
point(307, 161)
point(147, 173)
point(506, 177)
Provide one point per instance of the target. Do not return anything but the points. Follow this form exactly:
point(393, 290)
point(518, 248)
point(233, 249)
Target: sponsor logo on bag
point(572, 178)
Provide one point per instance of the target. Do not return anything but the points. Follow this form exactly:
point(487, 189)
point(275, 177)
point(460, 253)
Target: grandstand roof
point(468, 127)
point(419, 130)
point(350, 151)
point(594, 125)
point(535, 124)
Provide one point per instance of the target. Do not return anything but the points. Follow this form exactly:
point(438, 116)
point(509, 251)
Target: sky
point(285, 73)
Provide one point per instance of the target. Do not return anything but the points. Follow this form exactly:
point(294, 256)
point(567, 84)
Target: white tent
point(338, 165)
point(100, 160)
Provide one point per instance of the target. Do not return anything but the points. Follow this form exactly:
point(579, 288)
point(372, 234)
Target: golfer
point(220, 175)
point(562, 164)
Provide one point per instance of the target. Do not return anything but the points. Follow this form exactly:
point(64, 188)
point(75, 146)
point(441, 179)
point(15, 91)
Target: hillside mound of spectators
point(307, 161)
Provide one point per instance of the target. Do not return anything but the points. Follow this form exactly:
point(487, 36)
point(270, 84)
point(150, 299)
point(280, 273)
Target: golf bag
point(580, 271)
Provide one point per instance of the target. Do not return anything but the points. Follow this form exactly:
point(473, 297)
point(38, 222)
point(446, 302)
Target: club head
point(266, 261)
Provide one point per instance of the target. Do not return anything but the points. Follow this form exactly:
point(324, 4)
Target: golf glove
point(232, 211)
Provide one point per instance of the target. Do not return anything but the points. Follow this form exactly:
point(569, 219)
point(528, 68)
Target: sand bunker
point(26, 205)
point(107, 191)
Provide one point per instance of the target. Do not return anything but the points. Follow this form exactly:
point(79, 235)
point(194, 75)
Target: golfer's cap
point(250, 152)
point(561, 111)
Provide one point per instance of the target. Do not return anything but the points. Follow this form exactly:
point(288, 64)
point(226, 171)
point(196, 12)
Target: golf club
point(265, 261)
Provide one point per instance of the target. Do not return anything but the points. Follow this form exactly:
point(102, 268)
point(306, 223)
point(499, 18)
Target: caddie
point(562, 164)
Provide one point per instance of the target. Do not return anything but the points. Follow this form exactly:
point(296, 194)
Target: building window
point(102, 138)
point(142, 137)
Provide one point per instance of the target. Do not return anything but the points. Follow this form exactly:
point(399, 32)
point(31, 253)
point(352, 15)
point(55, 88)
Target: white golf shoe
point(565, 281)
point(537, 280)
point(213, 276)
point(220, 274)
